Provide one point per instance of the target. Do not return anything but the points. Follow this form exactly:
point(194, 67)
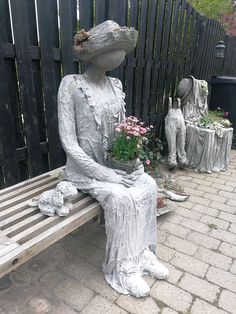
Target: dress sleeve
point(67, 131)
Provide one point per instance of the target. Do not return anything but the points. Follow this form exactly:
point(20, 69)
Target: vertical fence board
point(164, 54)
point(198, 44)
point(157, 61)
point(140, 57)
point(189, 52)
point(178, 45)
point(7, 133)
point(113, 14)
point(100, 14)
point(184, 43)
point(122, 20)
point(9, 76)
point(112, 10)
point(211, 47)
point(201, 61)
point(200, 47)
point(149, 59)
point(172, 45)
point(24, 66)
point(195, 42)
point(49, 82)
point(130, 70)
point(86, 14)
point(37, 81)
point(207, 48)
point(67, 34)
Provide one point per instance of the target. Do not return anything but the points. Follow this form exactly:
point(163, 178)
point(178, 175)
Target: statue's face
point(109, 60)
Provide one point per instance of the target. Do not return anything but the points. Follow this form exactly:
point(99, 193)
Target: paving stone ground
point(197, 242)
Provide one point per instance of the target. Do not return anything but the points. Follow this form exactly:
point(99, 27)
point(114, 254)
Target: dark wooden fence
point(35, 52)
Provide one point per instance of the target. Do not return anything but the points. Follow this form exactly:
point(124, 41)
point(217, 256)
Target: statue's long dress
point(87, 121)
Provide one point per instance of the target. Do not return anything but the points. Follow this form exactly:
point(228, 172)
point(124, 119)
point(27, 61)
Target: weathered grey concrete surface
point(197, 242)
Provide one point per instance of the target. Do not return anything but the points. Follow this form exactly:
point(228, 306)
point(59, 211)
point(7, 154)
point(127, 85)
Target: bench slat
point(28, 195)
point(17, 216)
point(40, 226)
point(36, 245)
point(25, 189)
point(21, 224)
point(29, 220)
point(25, 183)
point(23, 205)
point(6, 245)
point(7, 212)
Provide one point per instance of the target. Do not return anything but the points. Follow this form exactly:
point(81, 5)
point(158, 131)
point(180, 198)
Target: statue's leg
point(170, 131)
point(131, 229)
point(181, 137)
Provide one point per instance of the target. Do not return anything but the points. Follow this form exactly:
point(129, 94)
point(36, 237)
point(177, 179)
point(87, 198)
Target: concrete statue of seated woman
point(89, 105)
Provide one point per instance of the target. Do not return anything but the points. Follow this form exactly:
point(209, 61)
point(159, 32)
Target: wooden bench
point(24, 231)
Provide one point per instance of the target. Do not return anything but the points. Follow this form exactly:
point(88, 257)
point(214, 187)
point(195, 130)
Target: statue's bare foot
point(155, 268)
point(135, 285)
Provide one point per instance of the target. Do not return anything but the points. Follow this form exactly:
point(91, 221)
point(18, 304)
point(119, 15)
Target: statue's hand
point(137, 172)
point(119, 177)
point(129, 179)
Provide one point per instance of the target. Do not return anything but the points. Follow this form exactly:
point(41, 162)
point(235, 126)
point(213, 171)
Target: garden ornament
point(208, 146)
point(89, 107)
point(194, 96)
point(175, 131)
point(58, 200)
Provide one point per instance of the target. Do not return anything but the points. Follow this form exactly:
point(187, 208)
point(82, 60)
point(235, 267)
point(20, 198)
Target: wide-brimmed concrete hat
point(102, 38)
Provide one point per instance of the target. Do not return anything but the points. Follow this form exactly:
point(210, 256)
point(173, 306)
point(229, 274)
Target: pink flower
point(129, 132)
point(135, 133)
point(118, 130)
point(128, 128)
point(148, 162)
point(135, 129)
point(226, 114)
point(142, 131)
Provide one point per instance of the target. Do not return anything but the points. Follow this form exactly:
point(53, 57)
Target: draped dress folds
point(87, 127)
point(208, 150)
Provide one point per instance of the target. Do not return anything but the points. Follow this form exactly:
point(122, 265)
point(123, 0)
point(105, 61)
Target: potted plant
point(127, 145)
point(215, 119)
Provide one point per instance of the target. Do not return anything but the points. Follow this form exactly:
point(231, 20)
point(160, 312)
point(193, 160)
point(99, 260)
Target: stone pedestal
point(206, 151)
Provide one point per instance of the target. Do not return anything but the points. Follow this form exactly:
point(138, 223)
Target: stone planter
point(125, 165)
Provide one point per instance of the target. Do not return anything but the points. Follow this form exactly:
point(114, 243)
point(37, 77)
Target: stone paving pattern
point(197, 242)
